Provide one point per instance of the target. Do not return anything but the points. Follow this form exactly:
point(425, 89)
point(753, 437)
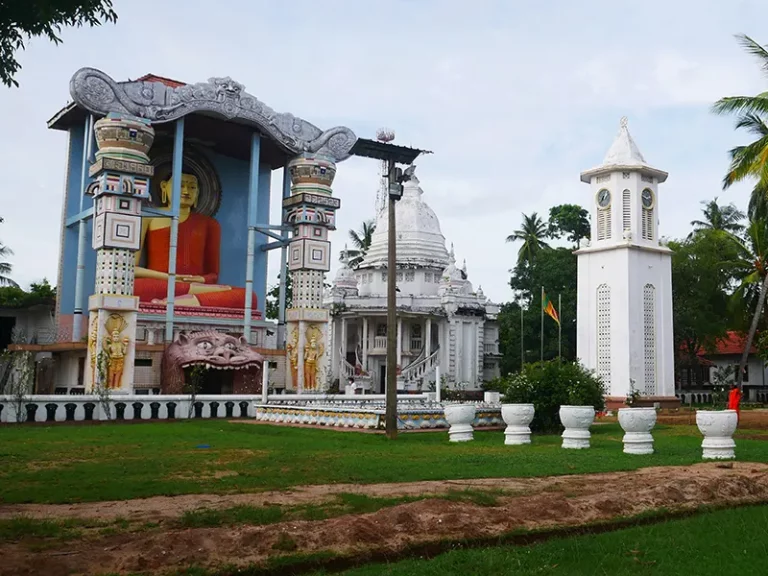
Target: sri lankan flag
point(548, 307)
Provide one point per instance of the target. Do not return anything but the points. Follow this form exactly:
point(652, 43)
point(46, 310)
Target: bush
point(549, 385)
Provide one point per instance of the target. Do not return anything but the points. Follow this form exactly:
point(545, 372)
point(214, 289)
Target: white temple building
point(442, 320)
point(624, 308)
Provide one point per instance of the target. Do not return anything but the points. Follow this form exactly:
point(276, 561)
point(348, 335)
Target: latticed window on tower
point(625, 210)
point(647, 223)
point(604, 333)
point(604, 224)
point(649, 338)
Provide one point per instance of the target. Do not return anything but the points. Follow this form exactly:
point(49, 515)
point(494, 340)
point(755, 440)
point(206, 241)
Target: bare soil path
point(527, 504)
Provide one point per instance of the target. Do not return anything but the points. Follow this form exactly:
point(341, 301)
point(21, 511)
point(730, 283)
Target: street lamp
point(392, 154)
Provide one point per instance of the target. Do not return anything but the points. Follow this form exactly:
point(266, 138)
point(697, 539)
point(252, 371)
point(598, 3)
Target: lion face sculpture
point(215, 351)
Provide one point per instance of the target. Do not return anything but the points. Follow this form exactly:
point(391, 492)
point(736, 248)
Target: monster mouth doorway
point(213, 382)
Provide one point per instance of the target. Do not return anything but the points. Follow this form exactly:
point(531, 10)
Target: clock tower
point(624, 308)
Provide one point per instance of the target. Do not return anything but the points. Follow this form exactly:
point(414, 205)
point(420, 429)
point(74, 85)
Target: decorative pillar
point(428, 336)
point(365, 343)
point(400, 342)
point(310, 210)
point(121, 176)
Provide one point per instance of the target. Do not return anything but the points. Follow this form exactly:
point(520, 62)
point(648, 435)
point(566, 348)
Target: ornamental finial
point(385, 135)
point(624, 121)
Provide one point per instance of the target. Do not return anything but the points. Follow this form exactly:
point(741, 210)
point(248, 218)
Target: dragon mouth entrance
point(211, 366)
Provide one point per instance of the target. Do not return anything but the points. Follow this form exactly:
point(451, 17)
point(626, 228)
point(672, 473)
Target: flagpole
point(542, 324)
point(560, 327)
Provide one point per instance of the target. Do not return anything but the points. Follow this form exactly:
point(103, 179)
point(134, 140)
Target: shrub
point(549, 385)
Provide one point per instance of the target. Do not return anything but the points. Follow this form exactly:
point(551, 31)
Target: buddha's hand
point(193, 279)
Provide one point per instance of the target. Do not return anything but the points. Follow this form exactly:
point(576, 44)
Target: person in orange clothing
point(734, 399)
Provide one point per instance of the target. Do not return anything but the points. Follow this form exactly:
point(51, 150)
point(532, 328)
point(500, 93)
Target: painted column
point(253, 206)
point(283, 264)
point(365, 343)
point(428, 336)
point(121, 176)
point(400, 342)
point(310, 210)
point(176, 169)
point(77, 318)
point(343, 341)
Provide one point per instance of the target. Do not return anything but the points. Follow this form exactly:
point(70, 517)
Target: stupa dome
point(345, 277)
point(420, 242)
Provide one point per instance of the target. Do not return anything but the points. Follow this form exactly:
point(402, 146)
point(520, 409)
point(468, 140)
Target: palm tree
point(750, 268)
point(716, 217)
point(6, 267)
point(532, 233)
point(361, 240)
point(750, 161)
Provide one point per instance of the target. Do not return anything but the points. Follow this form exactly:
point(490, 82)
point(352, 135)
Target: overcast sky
point(514, 98)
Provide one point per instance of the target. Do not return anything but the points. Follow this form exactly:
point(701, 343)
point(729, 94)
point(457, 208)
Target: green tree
point(569, 220)
point(750, 162)
point(555, 269)
point(6, 267)
point(361, 240)
point(532, 234)
point(726, 218)
point(24, 19)
point(273, 296)
point(700, 293)
point(749, 268)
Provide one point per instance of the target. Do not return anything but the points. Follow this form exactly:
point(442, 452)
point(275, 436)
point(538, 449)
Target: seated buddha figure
point(197, 256)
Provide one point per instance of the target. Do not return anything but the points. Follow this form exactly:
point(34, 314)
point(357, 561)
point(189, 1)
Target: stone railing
point(379, 342)
point(60, 408)
point(420, 368)
point(491, 348)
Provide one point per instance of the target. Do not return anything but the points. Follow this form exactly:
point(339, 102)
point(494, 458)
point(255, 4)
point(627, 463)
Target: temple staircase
point(419, 373)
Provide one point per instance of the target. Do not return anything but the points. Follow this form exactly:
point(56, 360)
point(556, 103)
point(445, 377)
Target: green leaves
point(22, 19)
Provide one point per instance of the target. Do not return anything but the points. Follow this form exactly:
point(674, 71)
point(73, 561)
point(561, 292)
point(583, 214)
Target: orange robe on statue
point(197, 254)
point(734, 399)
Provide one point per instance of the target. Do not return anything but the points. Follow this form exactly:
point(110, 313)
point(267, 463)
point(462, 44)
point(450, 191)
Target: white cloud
point(515, 99)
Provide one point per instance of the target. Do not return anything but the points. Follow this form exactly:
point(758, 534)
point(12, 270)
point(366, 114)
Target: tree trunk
point(752, 330)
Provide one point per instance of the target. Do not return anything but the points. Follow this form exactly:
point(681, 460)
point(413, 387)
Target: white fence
point(79, 408)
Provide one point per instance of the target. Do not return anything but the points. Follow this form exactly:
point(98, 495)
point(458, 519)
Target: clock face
point(603, 198)
point(647, 198)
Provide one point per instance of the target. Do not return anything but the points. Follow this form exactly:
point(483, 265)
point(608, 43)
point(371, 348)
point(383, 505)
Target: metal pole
point(283, 265)
point(176, 171)
point(560, 327)
point(542, 324)
point(77, 318)
point(253, 214)
point(391, 391)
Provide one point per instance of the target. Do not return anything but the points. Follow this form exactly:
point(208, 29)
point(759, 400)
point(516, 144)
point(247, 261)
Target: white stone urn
point(718, 427)
point(576, 420)
point(518, 419)
point(460, 418)
point(637, 424)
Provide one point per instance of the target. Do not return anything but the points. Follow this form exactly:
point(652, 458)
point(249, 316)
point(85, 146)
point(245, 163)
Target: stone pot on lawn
point(518, 419)
point(718, 427)
point(460, 418)
point(576, 420)
point(637, 424)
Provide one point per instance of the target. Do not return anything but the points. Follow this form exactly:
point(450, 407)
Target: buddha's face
point(189, 190)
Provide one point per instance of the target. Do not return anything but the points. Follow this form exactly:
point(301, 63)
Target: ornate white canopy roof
point(623, 155)
point(420, 242)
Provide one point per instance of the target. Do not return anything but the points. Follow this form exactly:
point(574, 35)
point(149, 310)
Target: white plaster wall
point(626, 271)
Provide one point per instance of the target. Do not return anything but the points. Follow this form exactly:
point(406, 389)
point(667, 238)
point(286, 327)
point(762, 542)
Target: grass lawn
point(60, 464)
point(714, 543)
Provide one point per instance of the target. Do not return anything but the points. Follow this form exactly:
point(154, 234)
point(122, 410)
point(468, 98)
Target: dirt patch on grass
point(535, 504)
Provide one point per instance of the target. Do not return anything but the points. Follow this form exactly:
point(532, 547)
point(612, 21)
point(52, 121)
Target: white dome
point(345, 277)
point(419, 239)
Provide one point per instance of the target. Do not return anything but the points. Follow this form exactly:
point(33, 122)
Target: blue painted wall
point(232, 215)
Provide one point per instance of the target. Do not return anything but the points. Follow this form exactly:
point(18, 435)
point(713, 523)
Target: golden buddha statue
point(116, 348)
point(310, 364)
point(197, 255)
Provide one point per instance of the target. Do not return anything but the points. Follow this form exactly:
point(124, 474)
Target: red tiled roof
point(166, 81)
point(733, 343)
